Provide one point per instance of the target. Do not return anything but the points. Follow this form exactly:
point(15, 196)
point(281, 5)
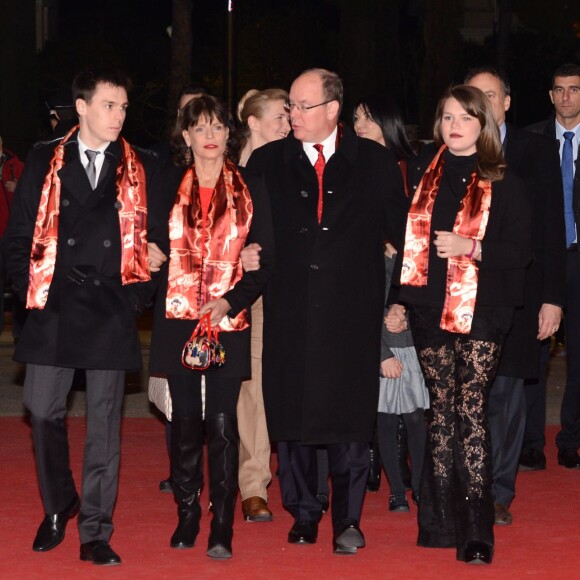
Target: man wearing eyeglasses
point(335, 199)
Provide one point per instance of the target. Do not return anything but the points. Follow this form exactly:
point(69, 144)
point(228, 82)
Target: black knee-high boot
point(186, 451)
point(223, 456)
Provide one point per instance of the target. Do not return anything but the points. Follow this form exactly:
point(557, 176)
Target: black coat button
point(65, 202)
point(118, 204)
point(314, 267)
point(107, 243)
point(71, 241)
point(96, 282)
point(304, 193)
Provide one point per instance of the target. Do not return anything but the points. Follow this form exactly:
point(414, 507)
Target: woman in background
point(403, 395)
point(262, 119)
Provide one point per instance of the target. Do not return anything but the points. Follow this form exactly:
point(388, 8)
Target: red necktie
point(319, 168)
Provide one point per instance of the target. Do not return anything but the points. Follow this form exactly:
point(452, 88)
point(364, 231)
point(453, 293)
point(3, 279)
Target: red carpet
point(542, 542)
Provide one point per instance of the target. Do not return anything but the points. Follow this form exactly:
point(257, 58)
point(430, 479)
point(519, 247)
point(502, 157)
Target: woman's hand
point(218, 308)
point(396, 320)
point(450, 245)
point(391, 368)
point(156, 257)
point(250, 257)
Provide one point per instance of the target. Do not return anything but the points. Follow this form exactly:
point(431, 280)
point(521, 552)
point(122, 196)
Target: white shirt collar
point(329, 148)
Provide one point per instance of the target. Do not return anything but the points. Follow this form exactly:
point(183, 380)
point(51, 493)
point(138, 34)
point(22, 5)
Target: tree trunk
point(504, 25)
point(181, 48)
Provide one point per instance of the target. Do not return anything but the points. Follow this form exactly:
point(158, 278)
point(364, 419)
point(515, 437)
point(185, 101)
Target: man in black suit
point(564, 127)
point(335, 199)
point(76, 250)
point(535, 160)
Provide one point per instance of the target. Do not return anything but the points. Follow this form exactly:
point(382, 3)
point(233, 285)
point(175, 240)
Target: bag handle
point(204, 328)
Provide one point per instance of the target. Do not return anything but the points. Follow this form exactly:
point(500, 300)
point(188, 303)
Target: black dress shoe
point(100, 553)
point(323, 499)
point(303, 532)
point(166, 486)
point(51, 531)
point(478, 553)
point(568, 457)
point(348, 539)
point(531, 460)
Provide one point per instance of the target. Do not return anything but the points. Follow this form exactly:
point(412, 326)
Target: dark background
point(410, 49)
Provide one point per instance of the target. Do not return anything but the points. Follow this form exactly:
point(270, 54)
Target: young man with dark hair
point(564, 127)
point(76, 249)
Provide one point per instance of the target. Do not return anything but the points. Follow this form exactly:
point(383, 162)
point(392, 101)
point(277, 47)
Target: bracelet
point(473, 248)
point(478, 252)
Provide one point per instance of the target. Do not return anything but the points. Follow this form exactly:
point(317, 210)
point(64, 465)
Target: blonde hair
point(254, 104)
point(490, 160)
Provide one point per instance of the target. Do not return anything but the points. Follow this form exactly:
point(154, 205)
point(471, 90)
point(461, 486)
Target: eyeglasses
point(304, 108)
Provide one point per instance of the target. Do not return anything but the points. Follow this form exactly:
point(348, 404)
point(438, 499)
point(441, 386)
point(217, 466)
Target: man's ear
point(81, 106)
point(333, 107)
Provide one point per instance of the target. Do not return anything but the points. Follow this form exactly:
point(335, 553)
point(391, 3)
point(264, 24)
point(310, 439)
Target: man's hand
point(392, 368)
point(549, 320)
point(218, 308)
point(156, 257)
point(395, 320)
point(250, 257)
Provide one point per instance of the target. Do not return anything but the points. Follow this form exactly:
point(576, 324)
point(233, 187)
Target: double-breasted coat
point(323, 306)
point(90, 324)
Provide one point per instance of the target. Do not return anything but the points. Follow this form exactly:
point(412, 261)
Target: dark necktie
point(319, 168)
point(568, 182)
point(91, 168)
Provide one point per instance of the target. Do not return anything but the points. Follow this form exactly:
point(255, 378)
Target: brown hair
point(490, 160)
point(202, 106)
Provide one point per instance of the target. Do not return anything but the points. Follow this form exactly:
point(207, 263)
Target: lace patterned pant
point(456, 502)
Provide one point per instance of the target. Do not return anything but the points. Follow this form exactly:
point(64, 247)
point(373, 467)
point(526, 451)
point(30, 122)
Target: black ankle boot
point(187, 478)
point(223, 454)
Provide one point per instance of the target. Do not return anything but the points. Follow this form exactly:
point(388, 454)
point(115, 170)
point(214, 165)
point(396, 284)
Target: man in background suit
point(76, 251)
point(564, 127)
point(535, 160)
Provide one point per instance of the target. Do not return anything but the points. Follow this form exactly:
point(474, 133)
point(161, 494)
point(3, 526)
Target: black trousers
point(348, 465)
point(535, 394)
point(45, 395)
point(569, 436)
point(507, 421)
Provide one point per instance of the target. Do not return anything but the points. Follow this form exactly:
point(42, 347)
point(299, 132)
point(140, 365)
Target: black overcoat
point(323, 307)
point(91, 325)
point(535, 159)
point(170, 335)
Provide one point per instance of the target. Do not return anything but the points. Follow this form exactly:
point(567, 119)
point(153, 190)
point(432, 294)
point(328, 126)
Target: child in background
point(402, 393)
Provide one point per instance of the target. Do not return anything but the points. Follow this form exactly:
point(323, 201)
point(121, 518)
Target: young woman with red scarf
point(203, 229)
point(466, 247)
